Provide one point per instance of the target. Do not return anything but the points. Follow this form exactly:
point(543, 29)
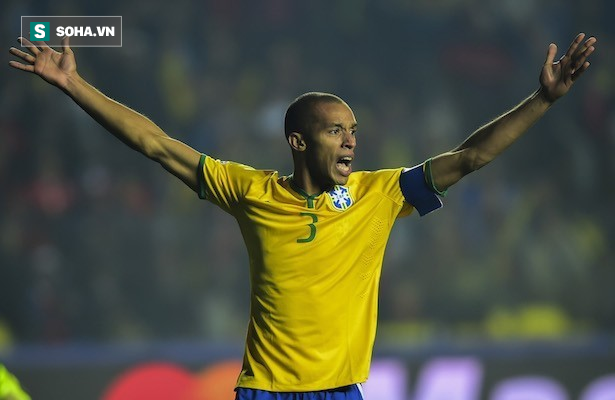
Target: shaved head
point(301, 113)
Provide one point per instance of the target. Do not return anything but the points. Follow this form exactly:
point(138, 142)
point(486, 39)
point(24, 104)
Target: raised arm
point(132, 128)
point(556, 79)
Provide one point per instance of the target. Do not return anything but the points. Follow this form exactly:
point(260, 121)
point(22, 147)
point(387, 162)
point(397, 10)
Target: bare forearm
point(487, 142)
point(137, 131)
point(493, 138)
point(129, 126)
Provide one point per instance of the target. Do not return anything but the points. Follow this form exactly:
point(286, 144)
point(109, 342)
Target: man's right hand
point(53, 66)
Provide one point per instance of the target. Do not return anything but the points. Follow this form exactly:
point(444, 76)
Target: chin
point(336, 179)
point(341, 181)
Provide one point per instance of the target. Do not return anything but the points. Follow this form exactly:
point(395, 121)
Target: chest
point(328, 221)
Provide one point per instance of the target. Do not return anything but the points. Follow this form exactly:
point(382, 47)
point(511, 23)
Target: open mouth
point(344, 165)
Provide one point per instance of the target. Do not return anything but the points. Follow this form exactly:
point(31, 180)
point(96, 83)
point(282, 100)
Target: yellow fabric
point(314, 272)
point(10, 389)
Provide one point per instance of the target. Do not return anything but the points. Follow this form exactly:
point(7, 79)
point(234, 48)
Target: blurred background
point(107, 261)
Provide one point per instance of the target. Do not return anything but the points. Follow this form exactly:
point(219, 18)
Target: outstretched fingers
point(579, 71)
point(573, 46)
point(558, 75)
point(65, 45)
point(21, 66)
point(589, 43)
point(29, 45)
point(42, 45)
point(551, 52)
point(580, 58)
point(579, 63)
point(29, 59)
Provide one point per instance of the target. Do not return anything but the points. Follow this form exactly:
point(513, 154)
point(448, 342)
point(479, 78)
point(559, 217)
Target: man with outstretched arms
point(315, 238)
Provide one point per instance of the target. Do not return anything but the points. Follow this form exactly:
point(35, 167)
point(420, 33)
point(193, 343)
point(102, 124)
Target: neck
point(304, 186)
point(303, 181)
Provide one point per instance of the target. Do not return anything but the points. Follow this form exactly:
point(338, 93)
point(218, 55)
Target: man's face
point(330, 144)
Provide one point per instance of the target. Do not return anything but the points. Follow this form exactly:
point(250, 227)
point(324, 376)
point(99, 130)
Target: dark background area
point(100, 246)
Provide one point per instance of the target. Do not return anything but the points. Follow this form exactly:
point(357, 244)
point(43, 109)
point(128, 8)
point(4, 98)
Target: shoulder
point(379, 185)
point(383, 181)
point(220, 176)
point(377, 177)
point(235, 168)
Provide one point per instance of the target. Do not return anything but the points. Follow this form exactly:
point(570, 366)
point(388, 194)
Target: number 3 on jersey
point(311, 226)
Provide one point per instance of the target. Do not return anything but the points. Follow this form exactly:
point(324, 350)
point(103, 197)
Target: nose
point(350, 140)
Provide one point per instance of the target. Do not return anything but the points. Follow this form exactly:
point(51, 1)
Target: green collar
point(309, 198)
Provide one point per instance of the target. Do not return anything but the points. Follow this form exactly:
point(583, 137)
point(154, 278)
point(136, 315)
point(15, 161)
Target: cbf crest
point(340, 197)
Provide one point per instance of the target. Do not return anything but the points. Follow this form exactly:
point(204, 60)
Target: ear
point(296, 141)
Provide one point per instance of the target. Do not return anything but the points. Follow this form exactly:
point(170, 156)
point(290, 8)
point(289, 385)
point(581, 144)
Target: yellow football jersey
point(315, 264)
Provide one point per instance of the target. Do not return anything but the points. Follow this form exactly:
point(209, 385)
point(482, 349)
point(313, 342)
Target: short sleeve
point(223, 183)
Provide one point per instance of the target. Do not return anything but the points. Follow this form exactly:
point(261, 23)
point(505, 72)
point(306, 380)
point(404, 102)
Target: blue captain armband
point(417, 192)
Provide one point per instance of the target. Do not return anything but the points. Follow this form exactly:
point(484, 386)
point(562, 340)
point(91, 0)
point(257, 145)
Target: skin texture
point(316, 153)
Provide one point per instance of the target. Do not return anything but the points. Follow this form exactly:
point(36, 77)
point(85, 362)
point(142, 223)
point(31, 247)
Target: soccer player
point(315, 238)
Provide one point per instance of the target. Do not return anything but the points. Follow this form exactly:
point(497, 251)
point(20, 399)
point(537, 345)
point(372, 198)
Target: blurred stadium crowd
point(97, 243)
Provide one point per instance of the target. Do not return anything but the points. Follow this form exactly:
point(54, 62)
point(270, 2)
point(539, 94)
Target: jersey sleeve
point(223, 183)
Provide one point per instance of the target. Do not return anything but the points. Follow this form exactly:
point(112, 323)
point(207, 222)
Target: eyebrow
point(340, 125)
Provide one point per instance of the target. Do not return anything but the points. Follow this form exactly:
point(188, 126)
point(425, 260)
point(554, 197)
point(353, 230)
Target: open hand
point(53, 66)
point(557, 77)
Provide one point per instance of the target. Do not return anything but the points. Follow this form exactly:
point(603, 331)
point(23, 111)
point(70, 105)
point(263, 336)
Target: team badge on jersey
point(340, 197)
